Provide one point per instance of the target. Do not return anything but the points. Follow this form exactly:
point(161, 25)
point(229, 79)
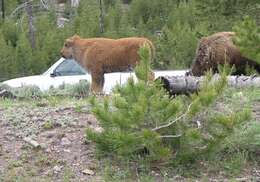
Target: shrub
point(80, 89)
point(248, 38)
point(28, 91)
point(141, 120)
point(245, 138)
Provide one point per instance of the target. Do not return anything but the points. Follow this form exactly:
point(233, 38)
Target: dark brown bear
point(218, 49)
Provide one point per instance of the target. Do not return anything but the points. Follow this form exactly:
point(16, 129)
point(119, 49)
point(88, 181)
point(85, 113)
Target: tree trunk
point(31, 27)
point(101, 17)
point(189, 84)
point(3, 9)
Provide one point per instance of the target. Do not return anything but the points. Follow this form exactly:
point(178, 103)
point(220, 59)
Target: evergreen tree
point(248, 38)
point(150, 10)
point(23, 55)
point(86, 23)
point(176, 47)
point(6, 59)
point(141, 120)
point(113, 20)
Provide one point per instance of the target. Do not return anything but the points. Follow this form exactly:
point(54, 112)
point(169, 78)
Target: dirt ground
point(63, 152)
point(63, 155)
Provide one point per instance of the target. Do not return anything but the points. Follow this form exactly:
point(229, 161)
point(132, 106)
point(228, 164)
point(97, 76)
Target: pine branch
point(174, 121)
point(170, 136)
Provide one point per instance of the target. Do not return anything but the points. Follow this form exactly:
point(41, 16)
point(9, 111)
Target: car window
point(69, 67)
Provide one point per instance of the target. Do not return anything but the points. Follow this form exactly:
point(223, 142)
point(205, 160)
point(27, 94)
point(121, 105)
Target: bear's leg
point(97, 82)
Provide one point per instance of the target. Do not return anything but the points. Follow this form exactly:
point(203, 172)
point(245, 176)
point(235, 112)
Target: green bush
point(248, 38)
point(29, 91)
point(176, 47)
point(245, 138)
point(140, 120)
point(81, 89)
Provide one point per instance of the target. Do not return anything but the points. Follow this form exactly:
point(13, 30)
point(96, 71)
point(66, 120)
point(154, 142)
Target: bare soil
point(64, 154)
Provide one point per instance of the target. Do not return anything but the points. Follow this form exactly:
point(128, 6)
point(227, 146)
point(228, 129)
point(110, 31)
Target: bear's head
point(68, 48)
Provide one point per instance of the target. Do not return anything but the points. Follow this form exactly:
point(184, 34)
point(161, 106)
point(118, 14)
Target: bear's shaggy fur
point(103, 55)
point(218, 49)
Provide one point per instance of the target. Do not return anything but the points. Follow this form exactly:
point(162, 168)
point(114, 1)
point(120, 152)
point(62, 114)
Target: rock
point(65, 141)
point(88, 172)
point(43, 146)
point(49, 134)
point(96, 129)
point(73, 124)
point(48, 150)
point(32, 142)
point(57, 169)
point(67, 150)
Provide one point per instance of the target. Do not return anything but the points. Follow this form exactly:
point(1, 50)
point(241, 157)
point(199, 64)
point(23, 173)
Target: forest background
point(31, 39)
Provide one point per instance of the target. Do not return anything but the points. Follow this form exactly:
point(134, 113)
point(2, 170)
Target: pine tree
point(140, 120)
point(24, 56)
point(248, 38)
point(6, 59)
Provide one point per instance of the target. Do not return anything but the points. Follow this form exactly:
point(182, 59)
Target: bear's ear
point(75, 37)
point(69, 42)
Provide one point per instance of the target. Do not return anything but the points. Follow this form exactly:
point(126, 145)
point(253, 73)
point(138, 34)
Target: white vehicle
point(67, 71)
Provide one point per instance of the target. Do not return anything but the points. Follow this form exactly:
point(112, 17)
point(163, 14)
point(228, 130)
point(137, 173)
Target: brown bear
point(218, 49)
point(103, 55)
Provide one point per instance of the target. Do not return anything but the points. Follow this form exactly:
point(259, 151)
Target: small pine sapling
point(141, 121)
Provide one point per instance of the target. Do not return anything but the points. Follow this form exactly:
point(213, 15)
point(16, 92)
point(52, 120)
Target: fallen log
point(190, 84)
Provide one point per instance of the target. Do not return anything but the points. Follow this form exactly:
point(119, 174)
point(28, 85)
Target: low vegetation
point(234, 158)
point(80, 90)
point(145, 127)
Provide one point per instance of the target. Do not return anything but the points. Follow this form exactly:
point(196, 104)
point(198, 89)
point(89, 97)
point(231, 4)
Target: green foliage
point(113, 20)
point(248, 38)
point(175, 48)
point(141, 120)
point(86, 24)
point(6, 59)
point(27, 92)
point(209, 92)
point(81, 89)
point(143, 68)
point(24, 55)
point(245, 138)
point(48, 125)
point(10, 32)
point(221, 15)
point(174, 26)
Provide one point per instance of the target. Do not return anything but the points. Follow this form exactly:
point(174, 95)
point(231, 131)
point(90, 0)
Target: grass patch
point(233, 164)
point(48, 125)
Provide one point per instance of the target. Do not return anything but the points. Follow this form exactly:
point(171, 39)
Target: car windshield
point(66, 67)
